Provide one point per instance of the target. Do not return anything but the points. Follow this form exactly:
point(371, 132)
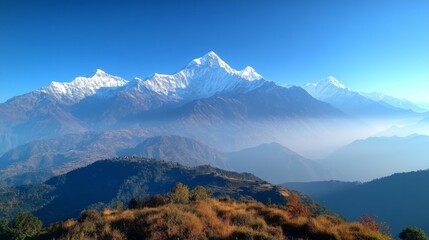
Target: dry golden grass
point(211, 219)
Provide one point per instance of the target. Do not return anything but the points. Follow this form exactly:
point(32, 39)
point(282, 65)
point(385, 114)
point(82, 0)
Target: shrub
point(295, 208)
point(155, 201)
point(136, 203)
point(241, 219)
point(24, 225)
point(173, 223)
point(369, 222)
point(90, 215)
point(413, 233)
point(139, 203)
point(3, 227)
point(225, 198)
point(179, 194)
point(200, 193)
point(119, 206)
point(246, 233)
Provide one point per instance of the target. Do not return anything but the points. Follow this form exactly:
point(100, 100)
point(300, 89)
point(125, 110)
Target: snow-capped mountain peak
point(213, 61)
point(82, 87)
point(327, 88)
point(333, 81)
point(100, 72)
point(203, 77)
point(210, 59)
point(250, 74)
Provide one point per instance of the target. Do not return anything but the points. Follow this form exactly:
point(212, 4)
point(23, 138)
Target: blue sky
point(368, 45)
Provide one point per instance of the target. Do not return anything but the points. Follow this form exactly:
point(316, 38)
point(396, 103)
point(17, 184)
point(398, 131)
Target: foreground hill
point(400, 200)
point(211, 219)
point(106, 182)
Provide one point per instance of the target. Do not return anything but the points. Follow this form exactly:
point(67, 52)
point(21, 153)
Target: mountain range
point(68, 125)
point(366, 105)
point(206, 90)
point(395, 102)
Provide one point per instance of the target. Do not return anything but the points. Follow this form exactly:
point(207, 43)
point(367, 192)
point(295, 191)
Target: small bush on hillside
point(136, 203)
point(119, 206)
point(90, 215)
point(23, 226)
point(200, 193)
point(295, 208)
point(155, 201)
point(179, 194)
point(371, 223)
point(225, 198)
point(413, 233)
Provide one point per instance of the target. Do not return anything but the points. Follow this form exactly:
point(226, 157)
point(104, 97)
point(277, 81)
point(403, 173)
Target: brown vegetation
point(212, 219)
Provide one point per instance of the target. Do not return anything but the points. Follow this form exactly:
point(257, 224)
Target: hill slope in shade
point(103, 183)
point(400, 200)
point(321, 189)
point(376, 157)
point(177, 149)
point(276, 164)
point(40, 160)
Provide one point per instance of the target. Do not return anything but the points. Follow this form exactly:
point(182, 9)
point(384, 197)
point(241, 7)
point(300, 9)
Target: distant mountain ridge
point(178, 149)
point(38, 161)
point(276, 164)
point(354, 103)
point(376, 157)
point(319, 190)
point(395, 102)
point(400, 200)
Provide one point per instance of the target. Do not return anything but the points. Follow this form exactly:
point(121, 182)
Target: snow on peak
point(100, 72)
point(211, 60)
point(82, 87)
point(327, 88)
point(329, 82)
point(203, 77)
point(335, 82)
point(250, 74)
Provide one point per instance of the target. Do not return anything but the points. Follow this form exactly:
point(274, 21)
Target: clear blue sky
point(366, 44)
